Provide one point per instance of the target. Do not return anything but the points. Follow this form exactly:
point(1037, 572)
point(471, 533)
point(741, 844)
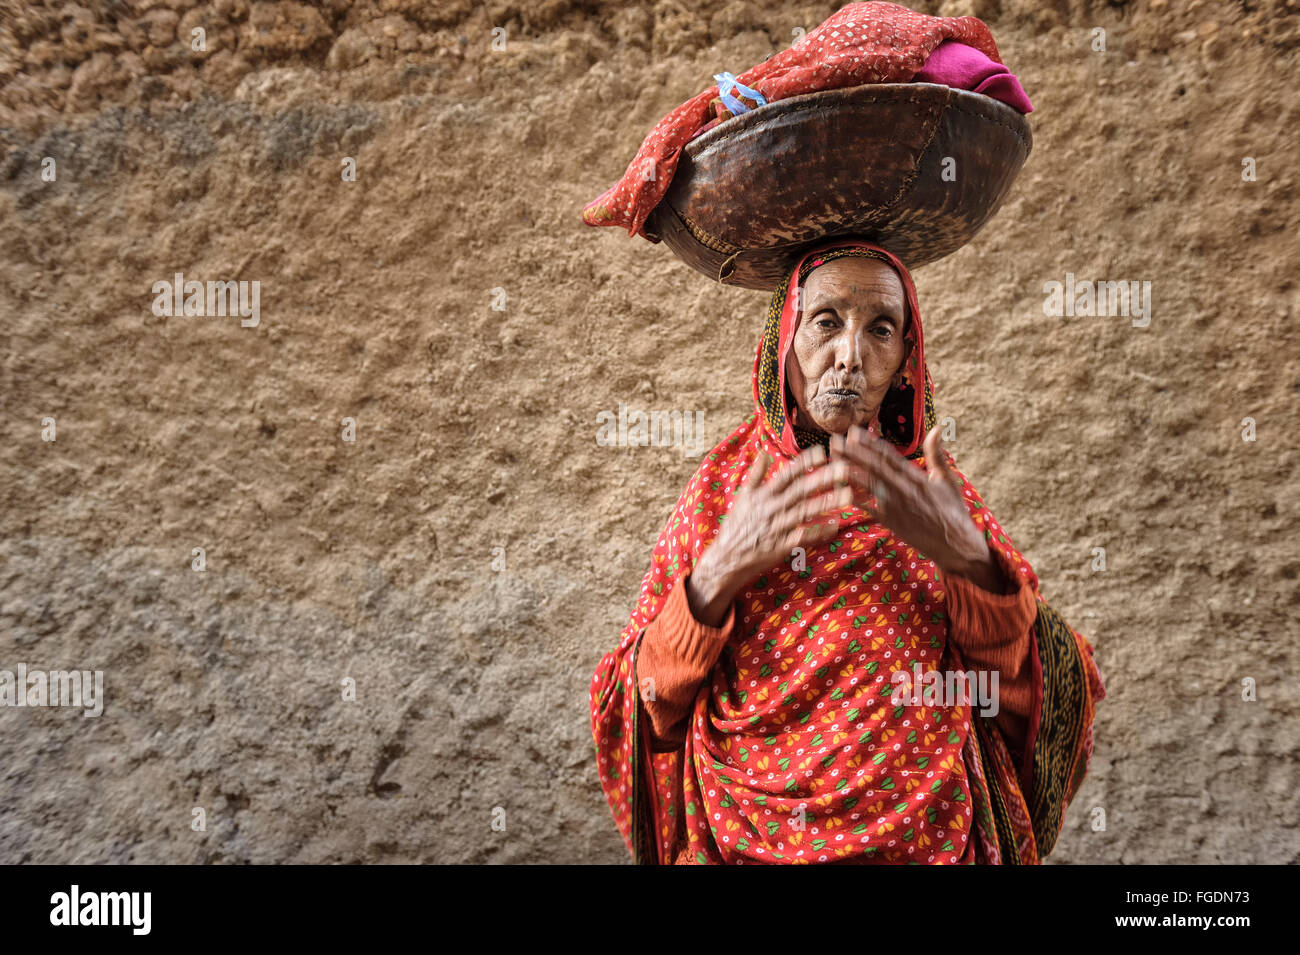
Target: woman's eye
point(883, 330)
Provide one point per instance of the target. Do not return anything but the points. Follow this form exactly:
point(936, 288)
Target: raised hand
point(766, 523)
point(925, 509)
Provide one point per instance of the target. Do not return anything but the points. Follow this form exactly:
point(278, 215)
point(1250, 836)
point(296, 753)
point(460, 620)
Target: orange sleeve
point(676, 653)
point(994, 632)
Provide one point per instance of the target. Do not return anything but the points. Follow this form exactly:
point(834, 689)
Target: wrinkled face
point(848, 349)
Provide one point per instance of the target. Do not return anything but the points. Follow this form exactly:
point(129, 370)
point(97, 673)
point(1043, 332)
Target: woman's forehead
point(853, 278)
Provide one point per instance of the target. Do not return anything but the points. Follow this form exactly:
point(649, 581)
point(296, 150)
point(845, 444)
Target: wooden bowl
point(751, 194)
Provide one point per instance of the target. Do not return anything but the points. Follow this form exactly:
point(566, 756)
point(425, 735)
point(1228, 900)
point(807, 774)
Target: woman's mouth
point(841, 394)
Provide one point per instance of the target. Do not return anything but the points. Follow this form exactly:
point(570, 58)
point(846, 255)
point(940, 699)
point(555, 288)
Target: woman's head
point(850, 345)
point(845, 317)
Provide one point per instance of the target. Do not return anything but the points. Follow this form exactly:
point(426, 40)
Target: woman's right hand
point(766, 523)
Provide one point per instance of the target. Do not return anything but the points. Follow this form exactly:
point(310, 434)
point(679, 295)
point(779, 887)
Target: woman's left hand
point(926, 510)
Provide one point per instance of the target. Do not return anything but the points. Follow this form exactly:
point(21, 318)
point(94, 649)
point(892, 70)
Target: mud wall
point(468, 557)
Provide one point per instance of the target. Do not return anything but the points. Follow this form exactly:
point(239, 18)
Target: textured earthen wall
point(475, 428)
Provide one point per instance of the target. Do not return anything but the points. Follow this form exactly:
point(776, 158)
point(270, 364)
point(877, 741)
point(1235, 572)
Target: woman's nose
point(849, 355)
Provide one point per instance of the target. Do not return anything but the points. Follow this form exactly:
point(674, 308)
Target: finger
point(808, 484)
point(936, 460)
point(900, 496)
point(756, 472)
point(933, 449)
point(873, 463)
point(862, 447)
point(841, 451)
point(784, 518)
point(861, 478)
point(809, 459)
point(811, 508)
point(867, 476)
point(935, 466)
point(884, 458)
point(860, 437)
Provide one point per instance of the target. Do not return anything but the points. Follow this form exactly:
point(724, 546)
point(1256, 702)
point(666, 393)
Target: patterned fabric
point(861, 43)
point(795, 751)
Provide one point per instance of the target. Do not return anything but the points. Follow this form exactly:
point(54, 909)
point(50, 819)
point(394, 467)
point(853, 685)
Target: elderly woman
point(784, 690)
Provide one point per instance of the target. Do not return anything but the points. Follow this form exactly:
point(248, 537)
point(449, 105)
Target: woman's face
point(849, 347)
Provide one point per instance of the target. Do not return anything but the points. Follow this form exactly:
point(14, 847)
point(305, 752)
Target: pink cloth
point(962, 66)
point(959, 65)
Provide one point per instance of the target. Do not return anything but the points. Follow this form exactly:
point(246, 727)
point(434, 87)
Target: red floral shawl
point(794, 751)
point(860, 43)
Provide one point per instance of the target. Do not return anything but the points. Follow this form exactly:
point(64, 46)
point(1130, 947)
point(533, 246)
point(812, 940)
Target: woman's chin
point(836, 419)
point(835, 416)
